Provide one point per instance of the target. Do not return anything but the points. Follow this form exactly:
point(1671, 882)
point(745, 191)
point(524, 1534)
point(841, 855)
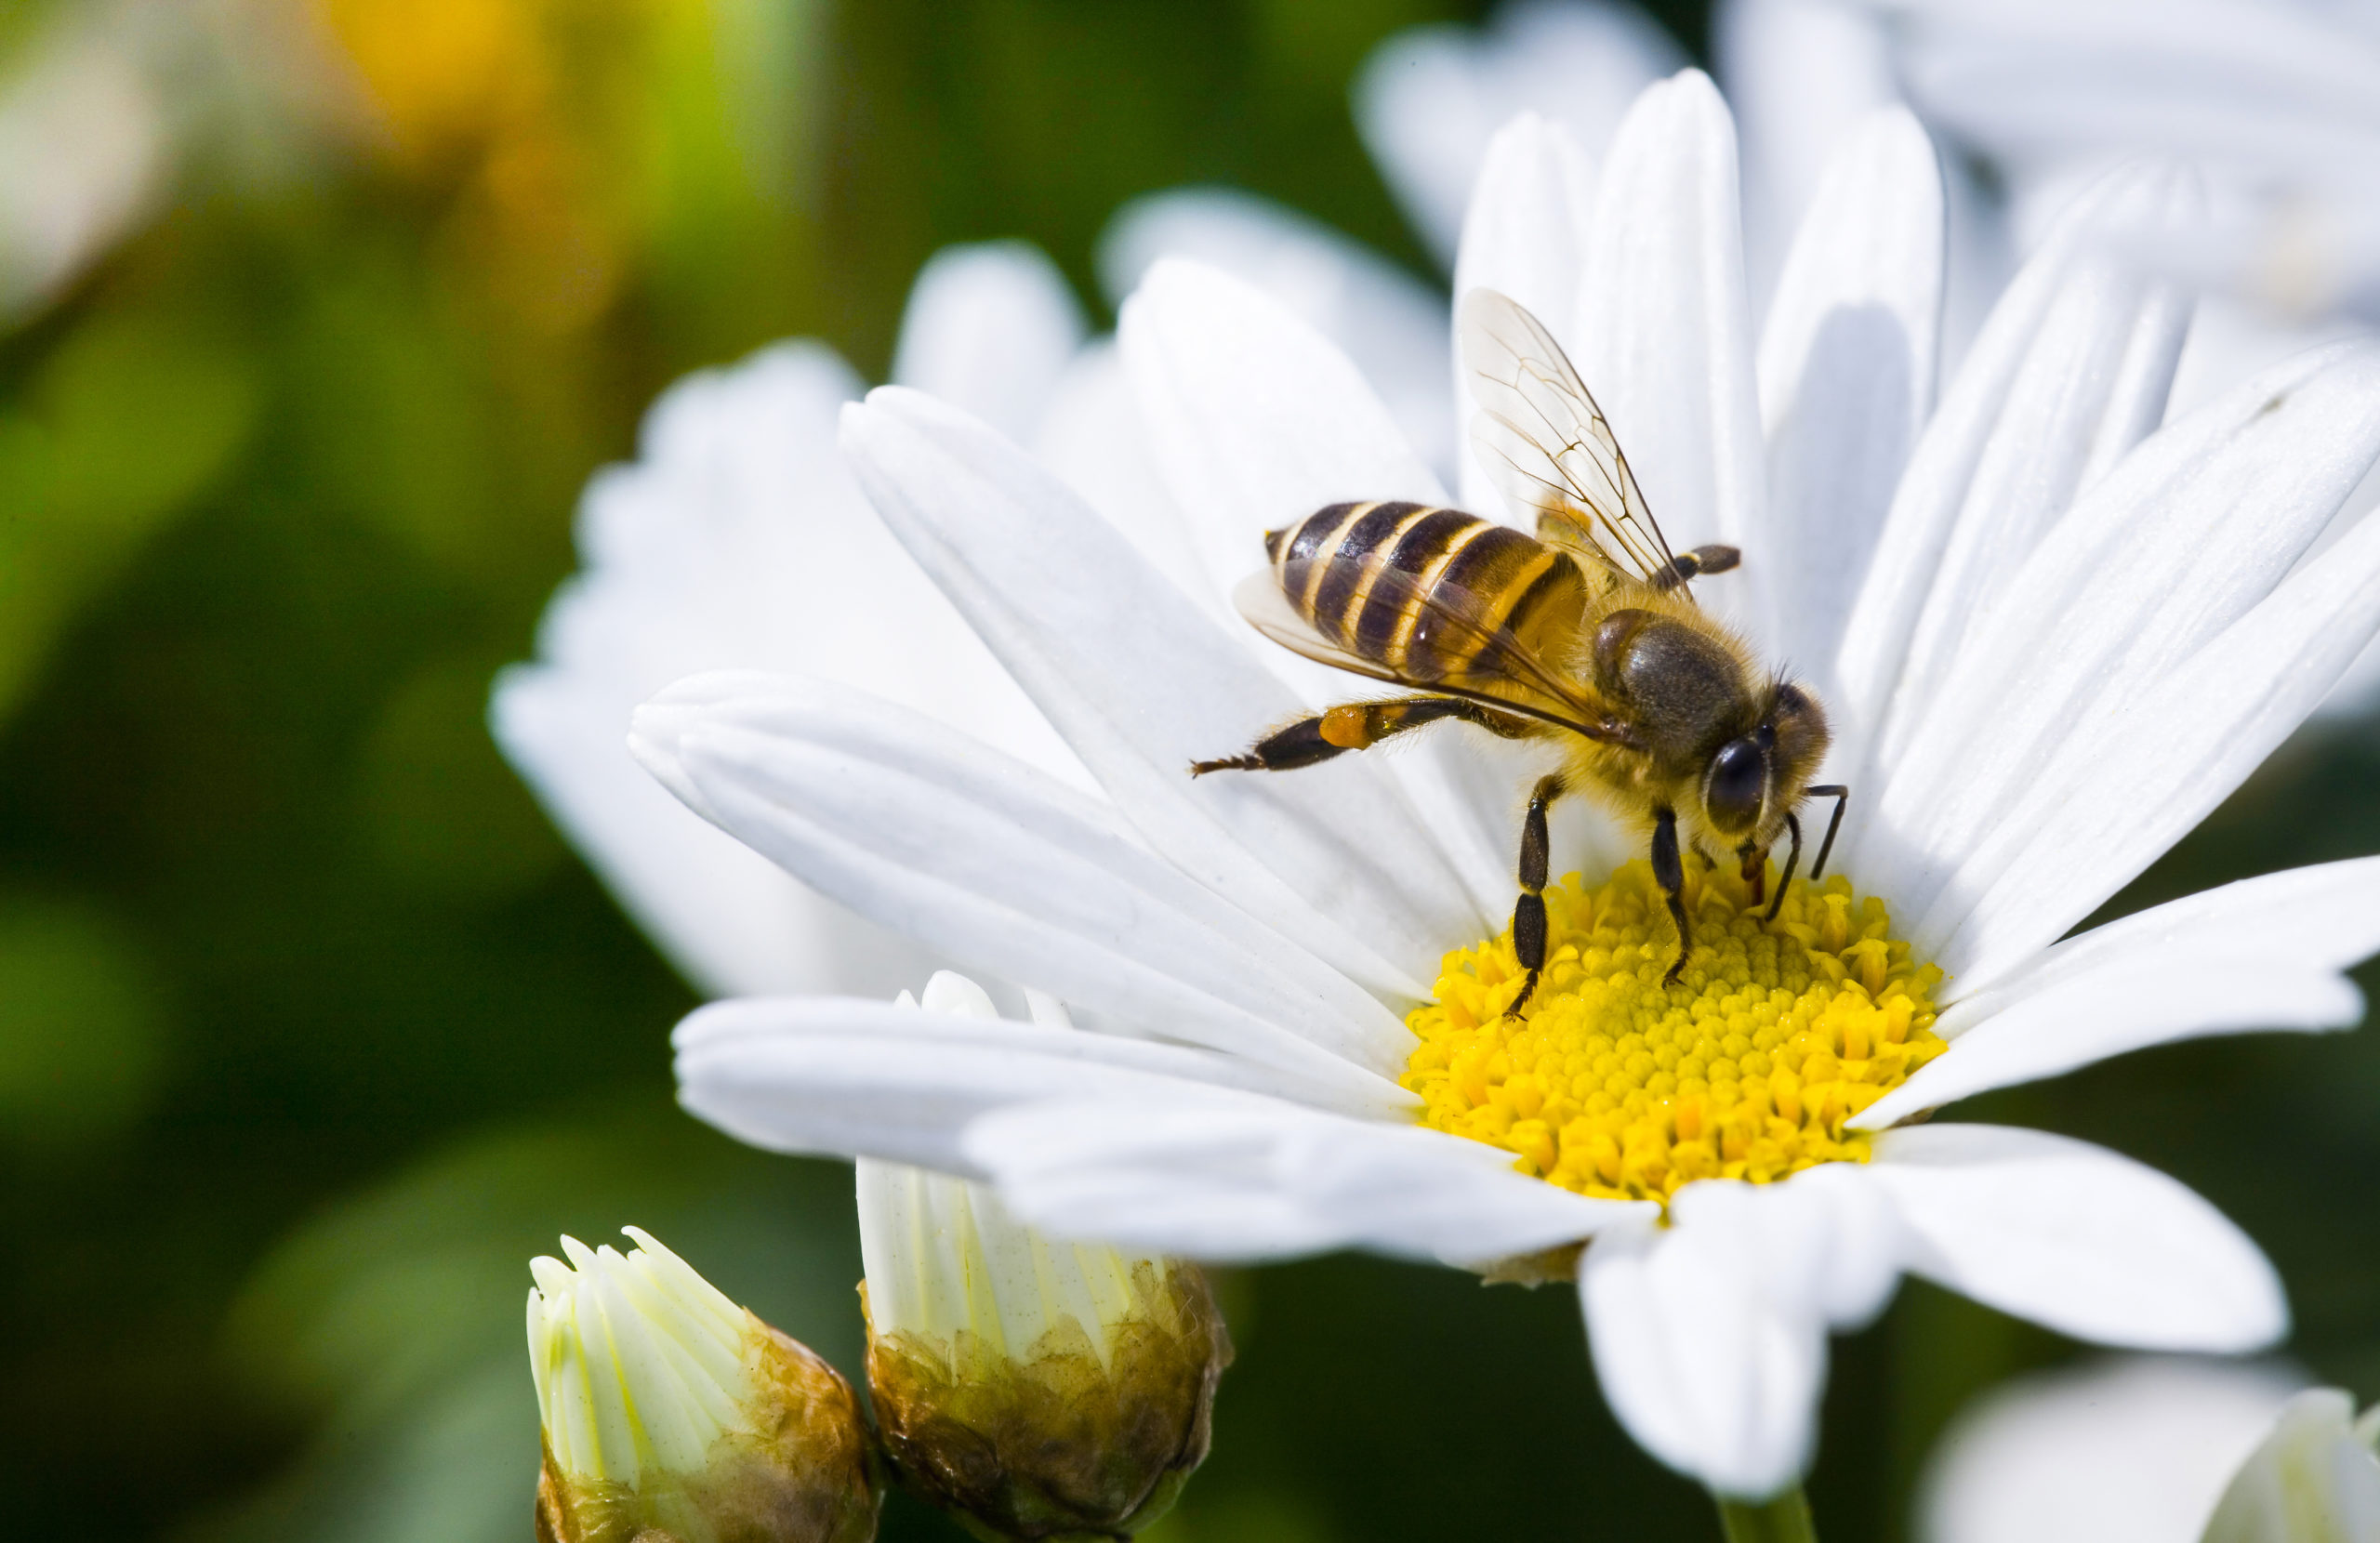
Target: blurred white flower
point(2052, 636)
point(83, 150)
point(2315, 1479)
point(1430, 98)
point(2278, 100)
point(2155, 1450)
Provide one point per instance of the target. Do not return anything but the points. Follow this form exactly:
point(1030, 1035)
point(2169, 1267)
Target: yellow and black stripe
point(1429, 593)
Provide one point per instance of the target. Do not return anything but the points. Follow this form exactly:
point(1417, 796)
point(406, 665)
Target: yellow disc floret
point(1611, 1083)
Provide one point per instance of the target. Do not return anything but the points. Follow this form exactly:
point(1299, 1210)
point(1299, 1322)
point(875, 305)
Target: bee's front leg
point(1792, 861)
point(1670, 873)
point(1529, 912)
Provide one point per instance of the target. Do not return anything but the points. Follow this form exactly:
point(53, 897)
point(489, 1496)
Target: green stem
point(1785, 1519)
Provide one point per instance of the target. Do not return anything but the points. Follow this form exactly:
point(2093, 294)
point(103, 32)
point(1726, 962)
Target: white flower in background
point(2155, 1450)
point(2278, 100)
point(1039, 1388)
point(1801, 75)
point(1430, 98)
point(84, 148)
point(738, 540)
point(2276, 103)
point(2052, 640)
point(666, 1406)
point(2315, 1479)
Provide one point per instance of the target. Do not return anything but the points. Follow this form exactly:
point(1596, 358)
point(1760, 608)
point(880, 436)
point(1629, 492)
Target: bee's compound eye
point(1732, 788)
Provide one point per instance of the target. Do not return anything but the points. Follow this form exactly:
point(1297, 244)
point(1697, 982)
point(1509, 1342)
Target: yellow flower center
point(1611, 1083)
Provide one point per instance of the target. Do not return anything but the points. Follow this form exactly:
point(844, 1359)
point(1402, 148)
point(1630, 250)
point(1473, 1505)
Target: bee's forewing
point(1548, 447)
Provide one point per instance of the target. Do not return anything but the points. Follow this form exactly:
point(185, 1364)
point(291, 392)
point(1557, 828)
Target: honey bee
point(1586, 634)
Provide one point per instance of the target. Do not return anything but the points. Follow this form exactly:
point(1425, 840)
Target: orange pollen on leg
point(1344, 727)
point(1611, 1084)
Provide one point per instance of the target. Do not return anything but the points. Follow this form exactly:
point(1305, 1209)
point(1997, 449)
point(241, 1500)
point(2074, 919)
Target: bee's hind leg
point(1357, 726)
point(1529, 912)
point(1670, 873)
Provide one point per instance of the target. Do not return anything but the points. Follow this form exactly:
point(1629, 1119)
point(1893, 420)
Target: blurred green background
point(312, 1031)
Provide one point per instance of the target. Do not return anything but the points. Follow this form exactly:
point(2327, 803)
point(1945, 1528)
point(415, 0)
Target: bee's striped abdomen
point(1423, 591)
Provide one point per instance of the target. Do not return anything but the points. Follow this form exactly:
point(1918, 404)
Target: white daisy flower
point(2053, 640)
point(2156, 1450)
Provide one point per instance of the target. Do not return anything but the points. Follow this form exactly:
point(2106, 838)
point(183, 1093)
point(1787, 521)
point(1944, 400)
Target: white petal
point(1711, 1375)
point(1256, 1179)
point(1525, 234)
point(2071, 370)
point(2195, 528)
point(731, 920)
point(1709, 1337)
point(1142, 683)
point(2259, 953)
point(1005, 869)
point(2077, 1239)
point(1391, 325)
point(990, 329)
point(849, 1077)
point(2154, 766)
point(2126, 1006)
point(1847, 377)
point(1254, 417)
point(2313, 1480)
point(2130, 1450)
point(1430, 98)
point(1665, 340)
point(1803, 76)
point(1090, 436)
point(1256, 421)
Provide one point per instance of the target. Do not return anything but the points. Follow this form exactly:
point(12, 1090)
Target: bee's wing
point(1516, 679)
point(1547, 446)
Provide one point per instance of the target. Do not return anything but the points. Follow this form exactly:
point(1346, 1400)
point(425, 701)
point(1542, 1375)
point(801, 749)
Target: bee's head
point(1753, 780)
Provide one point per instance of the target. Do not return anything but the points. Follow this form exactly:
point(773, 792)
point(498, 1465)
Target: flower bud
point(673, 1416)
point(2314, 1478)
point(1036, 1388)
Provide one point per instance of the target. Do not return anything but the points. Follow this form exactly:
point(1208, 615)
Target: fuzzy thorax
point(1611, 1084)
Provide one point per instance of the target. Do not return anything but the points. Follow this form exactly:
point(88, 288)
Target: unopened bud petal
point(1038, 1390)
point(2313, 1480)
point(673, 1416)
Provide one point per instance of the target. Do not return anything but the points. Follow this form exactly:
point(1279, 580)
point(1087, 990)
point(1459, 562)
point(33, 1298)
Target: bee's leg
point(1529, 912)
point(1841, 795)
point(1670, 873)
point(1753, 869)
point(1358, 726)
point(1792, 861)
